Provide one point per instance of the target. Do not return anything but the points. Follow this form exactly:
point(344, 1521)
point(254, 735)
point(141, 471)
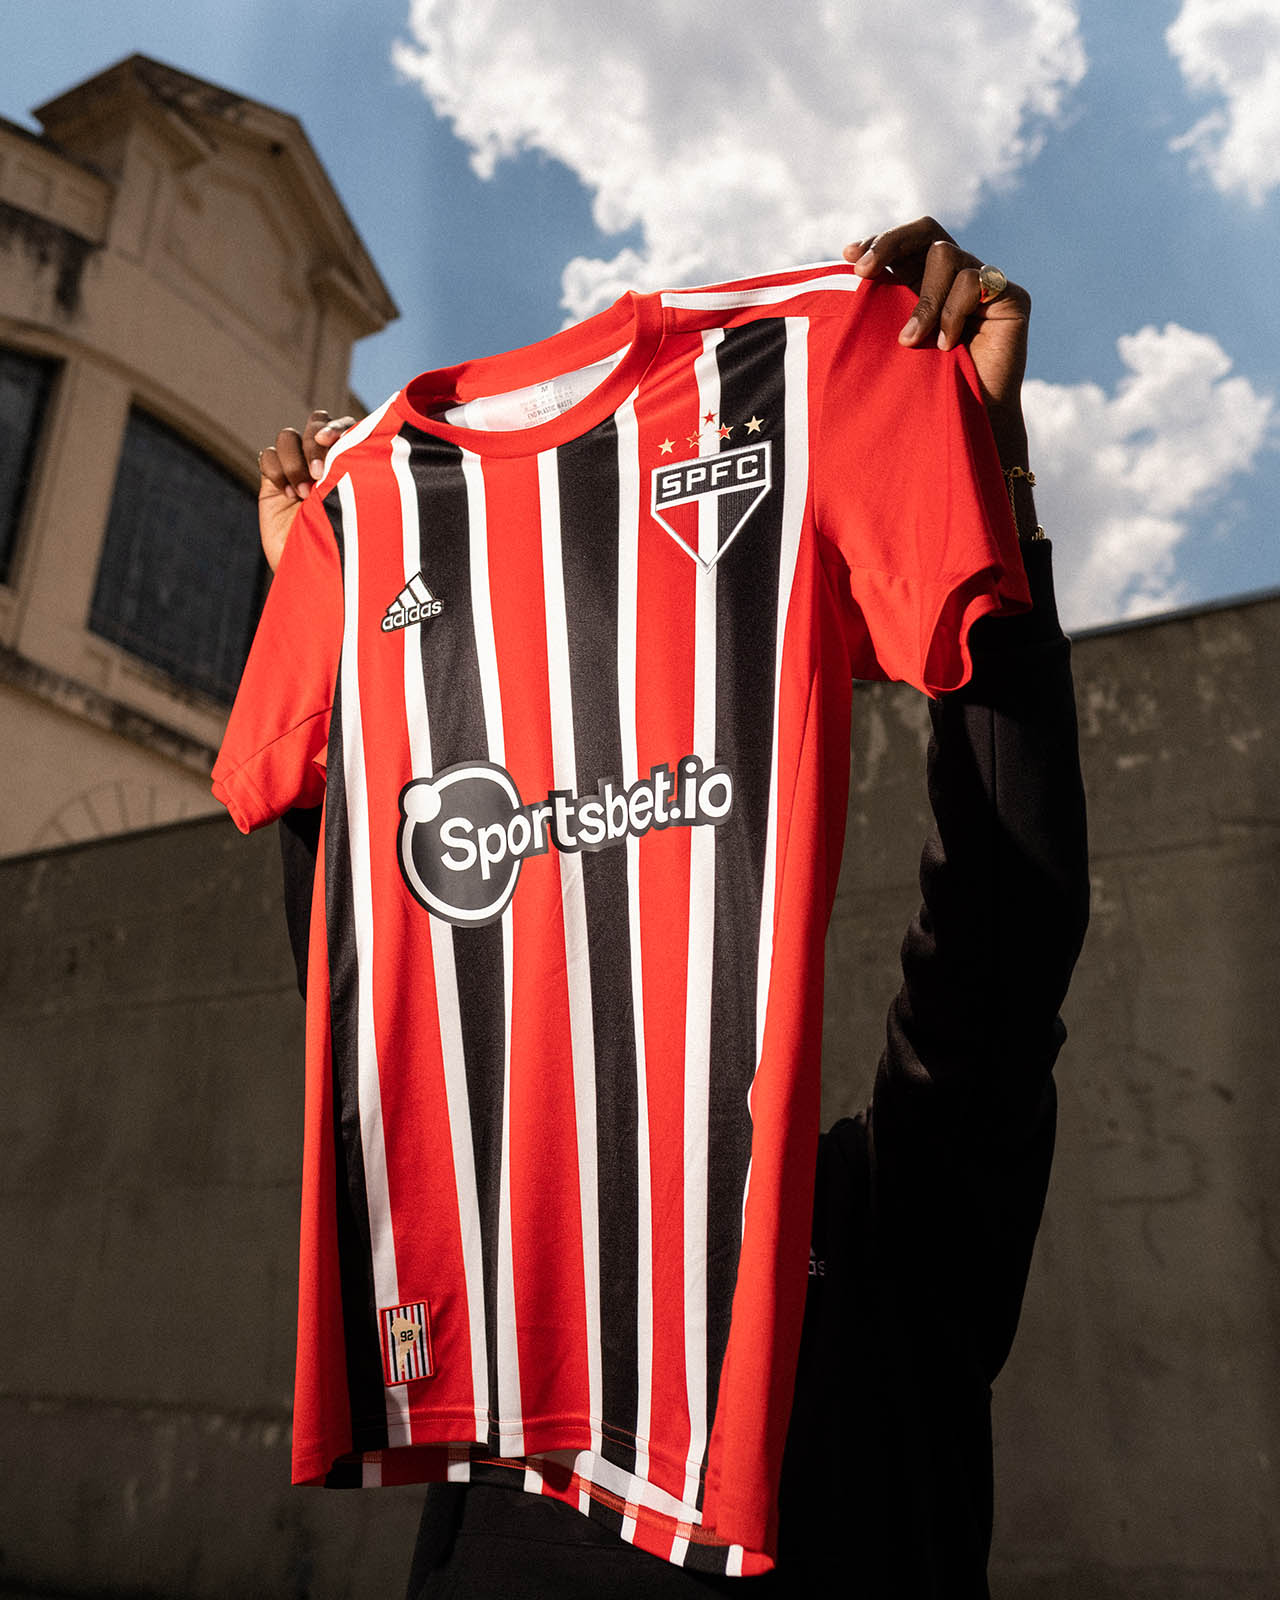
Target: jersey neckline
point(634, 321)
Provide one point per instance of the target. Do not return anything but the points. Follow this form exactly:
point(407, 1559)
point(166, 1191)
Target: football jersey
point(564, 641)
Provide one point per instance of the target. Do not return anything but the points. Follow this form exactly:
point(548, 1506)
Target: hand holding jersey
point(949, 311)
point(287, 469)
point(950, 308)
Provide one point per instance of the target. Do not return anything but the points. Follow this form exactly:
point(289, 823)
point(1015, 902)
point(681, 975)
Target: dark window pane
point(181, 579)
point(25, 382)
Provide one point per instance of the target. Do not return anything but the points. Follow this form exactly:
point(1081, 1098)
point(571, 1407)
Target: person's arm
point(288, 468)
point(927, 1204)
point(962, 1115)
point(962, 1118)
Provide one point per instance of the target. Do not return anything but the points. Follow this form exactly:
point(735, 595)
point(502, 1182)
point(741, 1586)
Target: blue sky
point(652, 142)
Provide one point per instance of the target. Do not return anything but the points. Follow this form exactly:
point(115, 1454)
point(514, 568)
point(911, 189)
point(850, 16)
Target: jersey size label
point(465, 832)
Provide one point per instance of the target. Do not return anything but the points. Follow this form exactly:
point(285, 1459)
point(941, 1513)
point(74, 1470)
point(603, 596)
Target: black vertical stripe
point(710, 1558)
point(589, 499)
point(455, 709)
point(355, 1248)
point(750, 360)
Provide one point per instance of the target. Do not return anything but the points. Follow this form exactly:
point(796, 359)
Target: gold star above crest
point(667, 446)
point(694, 439)
point(710, 417)
point(725, 430)
point(755, 424)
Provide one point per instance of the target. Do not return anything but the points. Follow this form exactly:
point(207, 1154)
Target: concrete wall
point(151, 1043)
point(150, 1059)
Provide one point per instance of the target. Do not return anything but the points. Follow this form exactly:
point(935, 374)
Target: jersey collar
point(634, 321)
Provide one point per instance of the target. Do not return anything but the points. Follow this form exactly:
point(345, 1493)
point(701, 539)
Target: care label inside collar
point(528, 407)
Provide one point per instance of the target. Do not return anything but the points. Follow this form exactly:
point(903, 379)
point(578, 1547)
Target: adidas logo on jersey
point(414, 603)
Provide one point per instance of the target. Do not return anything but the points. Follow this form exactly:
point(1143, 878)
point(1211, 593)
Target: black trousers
point(482, 1542)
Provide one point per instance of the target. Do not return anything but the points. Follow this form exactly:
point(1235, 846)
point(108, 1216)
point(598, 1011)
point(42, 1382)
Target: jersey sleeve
point(908, 490)
point(273, 752)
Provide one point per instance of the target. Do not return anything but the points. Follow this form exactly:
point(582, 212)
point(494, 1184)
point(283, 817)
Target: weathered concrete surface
point(150, 1042)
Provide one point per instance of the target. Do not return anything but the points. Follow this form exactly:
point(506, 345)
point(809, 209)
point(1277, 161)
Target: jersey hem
point(676, 1539)
point(540, 1436)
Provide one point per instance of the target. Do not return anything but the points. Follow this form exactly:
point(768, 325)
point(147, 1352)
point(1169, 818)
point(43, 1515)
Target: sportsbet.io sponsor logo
point(465, 832)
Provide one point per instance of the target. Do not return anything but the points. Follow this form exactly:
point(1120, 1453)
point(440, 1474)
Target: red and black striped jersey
point(564, 639)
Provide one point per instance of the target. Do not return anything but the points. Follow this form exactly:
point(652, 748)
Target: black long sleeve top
point(928, 1202)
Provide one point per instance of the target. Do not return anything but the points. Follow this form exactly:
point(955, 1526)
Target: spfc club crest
point(705, 502)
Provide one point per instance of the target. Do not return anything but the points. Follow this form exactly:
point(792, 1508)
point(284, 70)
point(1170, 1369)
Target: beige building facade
point(178, 278)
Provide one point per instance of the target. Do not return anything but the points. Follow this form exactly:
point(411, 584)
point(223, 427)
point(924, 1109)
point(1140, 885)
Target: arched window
point(181, 579)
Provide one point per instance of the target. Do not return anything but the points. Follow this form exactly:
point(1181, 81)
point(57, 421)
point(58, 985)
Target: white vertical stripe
point(628, 1487)
point(702, 883)
point(454, 1064)
point(628, 612)
point(415, 694)
point(464, 1165)
point(679, 1549)
point(796, 479)
point(382, 1237)
point(795, 366)
point(573, 898)
point(481, 607)
point(733, 1562)
point(510, 1409)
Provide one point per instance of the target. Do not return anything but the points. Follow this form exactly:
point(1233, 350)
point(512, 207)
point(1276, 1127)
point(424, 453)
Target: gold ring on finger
point(992, 283)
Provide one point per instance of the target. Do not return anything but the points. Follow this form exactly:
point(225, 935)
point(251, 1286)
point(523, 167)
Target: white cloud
point(1119, 476)
point(740, 136)
point(1232, 48)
